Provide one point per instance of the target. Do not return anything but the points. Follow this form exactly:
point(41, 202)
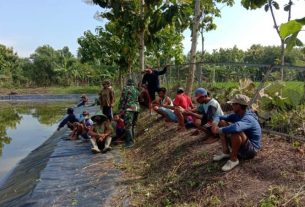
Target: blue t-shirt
point(247, 124)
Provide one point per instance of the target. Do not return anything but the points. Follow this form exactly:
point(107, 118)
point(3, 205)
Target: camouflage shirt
point(129, 99)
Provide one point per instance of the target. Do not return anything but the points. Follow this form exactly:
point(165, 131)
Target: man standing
point(129, 109)
point(107, 99)
point(151, 80)
point(244, 130)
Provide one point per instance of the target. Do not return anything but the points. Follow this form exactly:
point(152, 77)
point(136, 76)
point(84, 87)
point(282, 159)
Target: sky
point(26, 25)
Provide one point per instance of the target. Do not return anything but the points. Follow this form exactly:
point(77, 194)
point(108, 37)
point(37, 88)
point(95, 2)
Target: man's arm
point(92, 133)
point(162, 72)
point(211, 113)
point(192, 113)
point(112, 100)
point(229, 118)
point(108, 130)
point(155, 102)
point(144, 80)
point(63, 123)
point(239, 126)
point(167, 102)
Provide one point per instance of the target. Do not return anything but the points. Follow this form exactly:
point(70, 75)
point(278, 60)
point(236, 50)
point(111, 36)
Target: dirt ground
point(166, 168)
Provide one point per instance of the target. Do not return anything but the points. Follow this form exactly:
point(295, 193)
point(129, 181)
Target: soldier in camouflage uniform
point(129, 109)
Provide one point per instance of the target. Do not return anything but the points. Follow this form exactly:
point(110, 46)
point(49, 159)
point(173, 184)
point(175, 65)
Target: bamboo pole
point(299, 138)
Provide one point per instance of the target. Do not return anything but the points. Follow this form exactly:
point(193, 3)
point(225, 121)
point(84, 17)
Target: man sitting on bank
point(68, 120)
point(181, 102)
point(244, 130)
point(100, 133)
point(162, 100)
point(204, 114)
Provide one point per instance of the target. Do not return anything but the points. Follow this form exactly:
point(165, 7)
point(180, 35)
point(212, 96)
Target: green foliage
point(274, 198)
point(253, 4)
point(8, 65)
point(290, 122)
point(290, 30)
point(48, 67)
point(9, 118)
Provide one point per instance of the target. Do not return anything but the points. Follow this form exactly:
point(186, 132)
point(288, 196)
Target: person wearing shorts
point(181, 102)
point(207, 109)
point(240, 130)
point(159, 103)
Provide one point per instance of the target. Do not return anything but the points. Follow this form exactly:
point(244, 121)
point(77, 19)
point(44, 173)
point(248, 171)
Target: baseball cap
point(180, 90)
point(200, 92)
point(240, 99)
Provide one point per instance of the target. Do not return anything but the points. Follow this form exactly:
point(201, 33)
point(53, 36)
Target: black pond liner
point(25, 175)
point(62, 173)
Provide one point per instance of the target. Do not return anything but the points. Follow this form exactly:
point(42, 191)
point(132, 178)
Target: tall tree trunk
point(142, 43)
point(192, 68)
point(202, 55)
point(129, 66)
point(282, 41)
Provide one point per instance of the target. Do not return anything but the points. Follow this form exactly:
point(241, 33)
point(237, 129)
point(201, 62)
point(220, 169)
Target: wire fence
point(280, 104)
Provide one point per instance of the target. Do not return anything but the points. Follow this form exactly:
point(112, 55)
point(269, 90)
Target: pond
point(23, 127)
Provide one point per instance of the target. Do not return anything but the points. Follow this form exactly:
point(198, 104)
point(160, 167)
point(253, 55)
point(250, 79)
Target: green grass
point(75, 90)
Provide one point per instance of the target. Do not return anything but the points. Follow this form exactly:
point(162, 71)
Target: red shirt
point(120, 124)
point(183, 100)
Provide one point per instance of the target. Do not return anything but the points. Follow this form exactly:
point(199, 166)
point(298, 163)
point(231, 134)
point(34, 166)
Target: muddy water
point(24, 127)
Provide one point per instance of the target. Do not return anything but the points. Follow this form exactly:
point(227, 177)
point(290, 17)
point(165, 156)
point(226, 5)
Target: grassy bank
point(52, 90)
point(166, 168)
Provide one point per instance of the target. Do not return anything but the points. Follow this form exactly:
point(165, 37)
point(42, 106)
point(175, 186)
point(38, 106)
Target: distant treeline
point(50, 67)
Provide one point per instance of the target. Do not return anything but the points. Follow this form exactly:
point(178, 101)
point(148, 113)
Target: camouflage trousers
point(130, 118)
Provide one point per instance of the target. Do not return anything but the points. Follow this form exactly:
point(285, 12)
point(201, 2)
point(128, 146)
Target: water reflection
point(11, 115)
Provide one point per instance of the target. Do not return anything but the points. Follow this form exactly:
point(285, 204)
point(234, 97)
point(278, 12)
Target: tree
point(196, 21)
point(8, 64)
point(284, 39)
point(144, 19)
point(64, 64)
point(200, 9)
point(44, 64)
point(165, 47)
